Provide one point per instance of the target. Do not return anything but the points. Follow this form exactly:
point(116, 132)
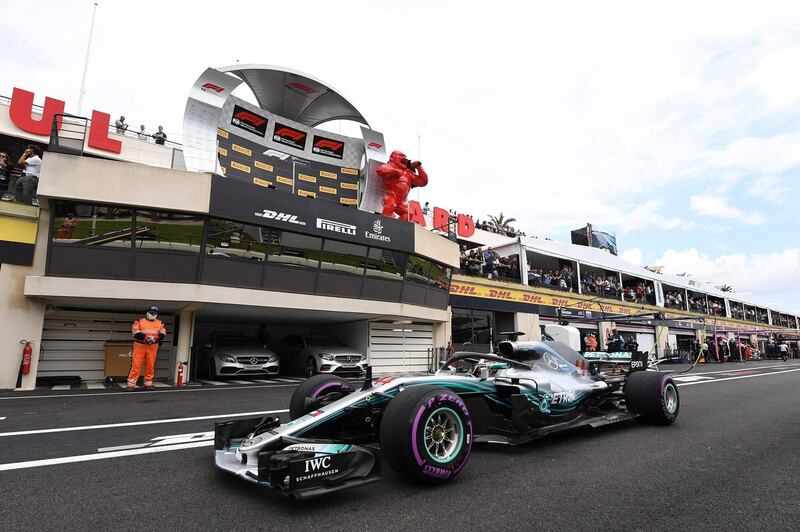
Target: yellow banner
point(327, 190)
point(349, 186)
point(285, 180)
point(309, 178)
point(347, 201)
point(261, 182)
point(222, 133)
point(351, 171)
point(223, 152)
point(329, 175)
point(241, 167)
point(242, 149)
point(306, 193)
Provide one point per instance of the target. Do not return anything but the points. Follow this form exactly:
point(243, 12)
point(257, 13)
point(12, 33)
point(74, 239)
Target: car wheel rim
point(671, 398)
point(443, 435)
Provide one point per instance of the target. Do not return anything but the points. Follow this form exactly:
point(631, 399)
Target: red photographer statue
point(399, 176)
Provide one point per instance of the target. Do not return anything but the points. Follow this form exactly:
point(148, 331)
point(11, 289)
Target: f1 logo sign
point(250, 118)
point(374, 146)
point(328, 144)
point(275, 153)
point(291, 133)
point(315, 464)
point(212, 87)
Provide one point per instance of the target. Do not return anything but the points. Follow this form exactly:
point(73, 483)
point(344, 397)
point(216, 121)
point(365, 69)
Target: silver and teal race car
point(425, 426)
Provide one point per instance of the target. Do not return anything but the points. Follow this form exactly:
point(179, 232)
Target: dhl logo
point(463, 290)
point(263, 166)
point(532, 298)
point(500, 294)
point(559, 302)
point(242, 167)
point(242, 149)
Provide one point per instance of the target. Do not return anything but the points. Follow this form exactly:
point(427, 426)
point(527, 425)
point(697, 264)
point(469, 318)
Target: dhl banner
point(569, 301)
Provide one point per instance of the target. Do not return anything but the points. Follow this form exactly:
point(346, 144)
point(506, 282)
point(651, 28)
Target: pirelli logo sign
point(262, 182)
point(308, 178)
point(222, 151)
point(350, 171)
point(222, 133)
point(349, 186)
point(242, 167)
point(327, 190)
point(347, 201)
point(242, 150)
point(284, 180)
point(306, 193)
point(264, 166)
point(329, 175)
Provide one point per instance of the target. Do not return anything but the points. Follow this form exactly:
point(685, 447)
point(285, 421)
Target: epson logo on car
point(279, 217)
point(336, 227)
point(315, 464)
point(636, 364)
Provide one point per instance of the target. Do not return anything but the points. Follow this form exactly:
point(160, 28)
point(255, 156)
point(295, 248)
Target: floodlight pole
point(86, 62)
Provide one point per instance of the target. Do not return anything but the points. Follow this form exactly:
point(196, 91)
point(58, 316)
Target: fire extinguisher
point(180, 374)
point(27, 354)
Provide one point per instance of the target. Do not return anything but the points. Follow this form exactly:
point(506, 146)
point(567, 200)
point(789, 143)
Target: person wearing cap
point(147, 334)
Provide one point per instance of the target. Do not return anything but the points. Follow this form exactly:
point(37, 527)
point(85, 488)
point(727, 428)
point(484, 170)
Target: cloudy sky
point(673, 124)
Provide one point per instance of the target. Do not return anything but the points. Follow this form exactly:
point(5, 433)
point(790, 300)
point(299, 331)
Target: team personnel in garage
point(147, 333)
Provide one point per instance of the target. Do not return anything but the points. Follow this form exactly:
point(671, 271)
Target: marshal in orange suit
point(147, 333)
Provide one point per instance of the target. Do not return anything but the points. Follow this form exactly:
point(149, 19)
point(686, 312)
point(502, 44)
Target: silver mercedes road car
point(312, 354)
point(228, 355)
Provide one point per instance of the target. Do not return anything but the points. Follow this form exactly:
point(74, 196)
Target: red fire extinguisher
point(27, 354)
point(180, 374)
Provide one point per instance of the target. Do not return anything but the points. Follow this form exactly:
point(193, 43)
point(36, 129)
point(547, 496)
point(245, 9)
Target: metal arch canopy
point(295, 95)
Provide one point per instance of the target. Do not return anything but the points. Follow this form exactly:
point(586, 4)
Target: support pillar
point(183, 350)
point(662, 340)
point(529, 324)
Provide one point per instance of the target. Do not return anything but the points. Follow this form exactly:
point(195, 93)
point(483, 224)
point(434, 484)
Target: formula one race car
point(425, 426)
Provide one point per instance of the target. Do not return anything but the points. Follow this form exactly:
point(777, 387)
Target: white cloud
point(770, 187)
point(718, 207)
point(632, 255)
point(768, 276)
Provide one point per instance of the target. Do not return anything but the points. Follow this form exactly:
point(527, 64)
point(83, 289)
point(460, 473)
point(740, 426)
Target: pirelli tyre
point(426, 434)
point(654, 396)
point(316, 392)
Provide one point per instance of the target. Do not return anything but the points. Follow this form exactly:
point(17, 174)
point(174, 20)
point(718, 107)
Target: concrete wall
point(97, 180)
point(435, 246)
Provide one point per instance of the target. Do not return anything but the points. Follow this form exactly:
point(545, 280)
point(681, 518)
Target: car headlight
point(326, 356)
point(363, 357)
point(272, 358)
point(226, 358)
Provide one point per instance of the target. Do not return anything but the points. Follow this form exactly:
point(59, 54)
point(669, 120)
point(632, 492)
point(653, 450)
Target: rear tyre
point(654, 396)
point(426, 434)
point(317, 392)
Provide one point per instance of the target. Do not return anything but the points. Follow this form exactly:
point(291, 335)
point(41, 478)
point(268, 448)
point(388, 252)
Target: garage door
point(73, 343)
point(399, 348)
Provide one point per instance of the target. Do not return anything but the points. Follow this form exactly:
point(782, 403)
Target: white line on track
point(140, 392)
point(102, 456)
point(95, 386)
point(214, 383)
point(137, 423)
point(710, 381)
point(741, 368)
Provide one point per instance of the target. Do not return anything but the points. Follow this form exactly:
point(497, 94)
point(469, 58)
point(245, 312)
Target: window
point(439, 277)
point(158, 230)
point(234, 240)
point(418, 269)
point(92, 225)
point(385, 264)
point(291, 249)
point(471, 328)
point(342, 257)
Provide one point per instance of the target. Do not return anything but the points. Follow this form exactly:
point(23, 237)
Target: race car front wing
point(300, 469)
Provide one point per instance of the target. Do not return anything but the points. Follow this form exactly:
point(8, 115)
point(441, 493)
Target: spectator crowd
point(489, 264)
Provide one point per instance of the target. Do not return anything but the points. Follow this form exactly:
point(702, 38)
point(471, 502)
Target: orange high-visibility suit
point(591, 343)
point(146, 335)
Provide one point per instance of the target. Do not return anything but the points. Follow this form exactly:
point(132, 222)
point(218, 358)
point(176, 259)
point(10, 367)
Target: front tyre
point(311, 367)
point(317, 392)
point(654, 396)
point(426, 434)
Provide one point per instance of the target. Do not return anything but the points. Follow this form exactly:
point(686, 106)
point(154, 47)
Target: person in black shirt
point(160, 136)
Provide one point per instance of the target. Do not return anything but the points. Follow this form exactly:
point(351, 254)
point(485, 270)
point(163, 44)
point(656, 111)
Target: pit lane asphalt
point(730, 461)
